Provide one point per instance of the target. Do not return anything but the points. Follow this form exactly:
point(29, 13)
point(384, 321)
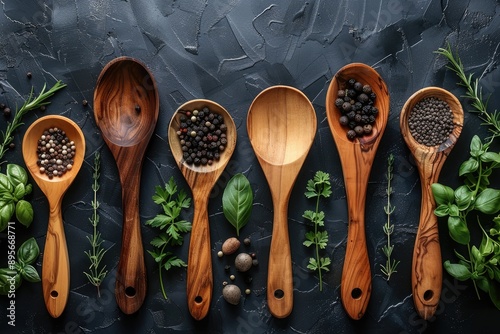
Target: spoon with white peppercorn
point(430, 140)
point(55, 265)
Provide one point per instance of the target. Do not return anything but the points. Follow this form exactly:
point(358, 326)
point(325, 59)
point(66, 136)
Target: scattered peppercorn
point(12, 146)
point(227, 268)
point(2, 106)
point(431, 121)
point(248, 291)
point(232, 277)
point(255, 262)
point(220, 254)
point(85, 103)
point(7, 112)
point(29, 75)
point(55, 153)
point(43, 108)
point(247, 241)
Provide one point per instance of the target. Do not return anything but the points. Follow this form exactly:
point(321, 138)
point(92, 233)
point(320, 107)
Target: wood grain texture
point(356, 158)
point(126, 106)
point(281, 126)
point(427, 270)
point(201, 179)
point(55, 265)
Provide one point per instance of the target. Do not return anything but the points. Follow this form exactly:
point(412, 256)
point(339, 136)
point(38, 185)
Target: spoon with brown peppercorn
point(202, 138)
point(431, 122)
point(55, 265)
point(367, 97)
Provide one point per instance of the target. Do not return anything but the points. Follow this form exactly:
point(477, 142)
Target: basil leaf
point(19, 191)
point(17, 174)
point(5, 280)
point(28, 252)
point(442, 194)
point(463, 197)
point(24, 212)
point(468, 166)
point(237, 201)
point(459, 271)
point(6, 212)
point(30, 274)
point(494, 293)
point(488, 201)
point(476, 147)
point(5, 185)
point(490, 157)
point(458, 230)
point(442, 210)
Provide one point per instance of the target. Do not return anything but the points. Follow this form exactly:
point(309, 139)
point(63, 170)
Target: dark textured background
point(229, 51)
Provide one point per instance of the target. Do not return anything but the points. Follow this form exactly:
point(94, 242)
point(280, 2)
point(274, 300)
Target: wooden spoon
point(126, 108)
point(427, 268)
point(281, 126)
point(357, 157)
point(201, 179)
point(55, 265)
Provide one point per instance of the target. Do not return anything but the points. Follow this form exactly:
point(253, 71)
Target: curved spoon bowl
point(55, 266)
point(201, 179)
point(281, 126)
point(427, 272)
point(126, 106)
point(357, 158)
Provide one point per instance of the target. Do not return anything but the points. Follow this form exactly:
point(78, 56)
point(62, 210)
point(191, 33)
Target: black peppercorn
point(7, 112)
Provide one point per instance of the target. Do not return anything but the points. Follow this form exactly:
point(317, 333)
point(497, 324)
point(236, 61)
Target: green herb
point(390, 264)
point(474, 199)
point(317, 188)
point(96, 274)
point(237, 201)
point(13, 188)
point(20, 268)
point(30, 104)
point(171, 226)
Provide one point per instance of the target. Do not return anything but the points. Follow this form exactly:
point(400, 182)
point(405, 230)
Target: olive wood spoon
point(281, 126)
point(201, 179)
point(55, 265)
point(126, 109)
point(356, 157)
point(427, 270)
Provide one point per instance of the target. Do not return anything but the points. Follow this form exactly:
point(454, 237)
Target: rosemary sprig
point(474, 91)
point(390, 264)
point(30, 104)
point(96, 274)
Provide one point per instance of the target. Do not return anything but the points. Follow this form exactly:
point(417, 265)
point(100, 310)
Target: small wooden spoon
point(281, 126)
point(357, 157)
point(201, 179)
point(126, 106)
point(55, 265)
point(427, 273)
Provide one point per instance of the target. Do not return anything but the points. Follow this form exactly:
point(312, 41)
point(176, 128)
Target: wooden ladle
point(201, 179)
point(126, 109)
point(356, 158)
point(427, 267)
point(55, 265)
point(281, 126)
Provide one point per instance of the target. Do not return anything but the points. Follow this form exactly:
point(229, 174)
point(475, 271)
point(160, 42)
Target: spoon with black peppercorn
point(126, 106)
point(201, 178)
point(356, 157)
point(281, 126)
point(55, 265)
point(427, 265)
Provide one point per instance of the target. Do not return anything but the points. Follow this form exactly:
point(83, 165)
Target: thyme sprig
point(96, 274)
point(390, 264)
point(31, 103)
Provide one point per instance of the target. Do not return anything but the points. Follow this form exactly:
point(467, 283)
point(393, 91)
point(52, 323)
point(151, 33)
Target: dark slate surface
point(229, 51)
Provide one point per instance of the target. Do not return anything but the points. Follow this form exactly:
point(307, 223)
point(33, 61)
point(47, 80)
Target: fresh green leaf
point(458, 230)
point(468, 166)
point(28, 252)
point(442, 210)
point(490, 157)
point(5, 185)
point(476, 147)
point(24, 212)
point(30, 274)
point(442, 194)
point(19, 191)
point(6, 212)
point(237, 201)
point(17, 175)
point(459, 271)
point(463, 197)
point(488, 201)
point(494, 293)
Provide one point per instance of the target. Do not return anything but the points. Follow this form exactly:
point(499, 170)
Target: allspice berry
point(243, 262)
point(231, 294)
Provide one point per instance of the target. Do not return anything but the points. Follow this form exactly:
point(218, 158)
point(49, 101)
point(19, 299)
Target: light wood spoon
point(427, 268)
point(55, 265)
point(201, 179)
point(126, 106)
point(357, 157)
point(281, 126)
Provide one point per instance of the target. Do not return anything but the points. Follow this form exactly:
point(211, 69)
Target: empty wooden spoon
point(55, 265)
point(356, 157)
point(126, 109)
point(281, 126)
point(201, 179)
point(427, 268)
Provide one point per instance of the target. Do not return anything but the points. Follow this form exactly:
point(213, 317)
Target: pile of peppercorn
point(55, 153)
point(202, 135)
point(356, 103)
point(431, 121)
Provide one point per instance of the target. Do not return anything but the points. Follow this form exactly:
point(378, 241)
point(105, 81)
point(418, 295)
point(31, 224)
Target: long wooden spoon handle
point(130, 288)
point(55, 266)
point(279, 276)
point(199, 270)
point(427, 273)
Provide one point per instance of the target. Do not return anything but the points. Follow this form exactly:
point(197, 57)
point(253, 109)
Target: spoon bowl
point(427, 269)
point(201, 179)
point(126, 106)
point(356, 158)
point(281, 126)
point(55, 265)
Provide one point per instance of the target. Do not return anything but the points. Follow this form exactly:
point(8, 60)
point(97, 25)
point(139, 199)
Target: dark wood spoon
point(126, 106)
